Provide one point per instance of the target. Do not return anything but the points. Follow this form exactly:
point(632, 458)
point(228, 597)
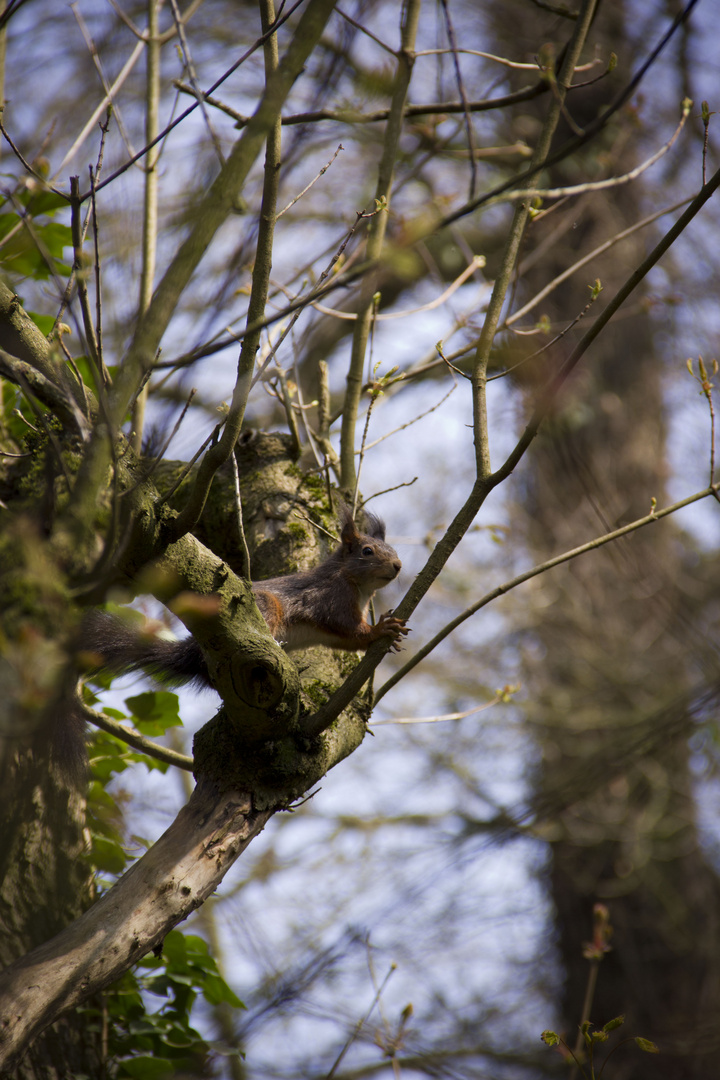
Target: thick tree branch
point(20, 338)
point(160, 890)
point(45, 389)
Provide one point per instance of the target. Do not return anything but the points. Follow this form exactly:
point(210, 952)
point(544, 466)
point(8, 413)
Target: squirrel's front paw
point(389, 626)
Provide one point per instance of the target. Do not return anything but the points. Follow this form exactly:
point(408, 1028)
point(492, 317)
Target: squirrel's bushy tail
point(121, 647)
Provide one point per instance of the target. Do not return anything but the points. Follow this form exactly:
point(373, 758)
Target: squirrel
point(326, 605)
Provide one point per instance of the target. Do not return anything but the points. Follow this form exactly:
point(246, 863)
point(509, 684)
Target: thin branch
point(313, 181)
point(98, 276)
point(27, 166)
point(192, 74)
point(515, 64)
point(551, 286)
point(558, 380)
point(574, 144)
point(415, 419)
point(553, 341)
point(102, 377)
point(368, 33)
point(541, 568)
point(476, 264)
point(97, 62)
point(245, 569)
point(360, 1024)
point(375, 240)
point(463, 97)
point(355, 116)
point(599, 185)
point(500, 696)
point(135, 739)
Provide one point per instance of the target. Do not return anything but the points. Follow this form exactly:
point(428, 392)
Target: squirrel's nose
point(398, 566)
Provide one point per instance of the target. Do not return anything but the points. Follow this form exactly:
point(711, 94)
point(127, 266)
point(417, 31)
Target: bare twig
point(596, 290)
point(415, 419)
point(98, 278)
point(463, 97)
point(360, 1024)
point(477, 263)
point(313, 181)
point(368, 33)
point(378, 116)
point(590, 130)
point(514, 64)
point(600, 185)
point(101, 376)
point(97, 62)
point(551, 286)
point(500, 696)
point(192, 74)
point(26, 164)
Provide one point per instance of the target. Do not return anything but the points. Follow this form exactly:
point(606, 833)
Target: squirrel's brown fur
point(324, 606)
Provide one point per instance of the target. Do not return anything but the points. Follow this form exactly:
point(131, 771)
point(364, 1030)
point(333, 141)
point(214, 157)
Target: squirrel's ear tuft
point(348, 531)
point(375, 526)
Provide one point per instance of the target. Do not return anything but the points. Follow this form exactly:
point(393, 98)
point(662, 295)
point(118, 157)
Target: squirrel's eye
point(368, 551)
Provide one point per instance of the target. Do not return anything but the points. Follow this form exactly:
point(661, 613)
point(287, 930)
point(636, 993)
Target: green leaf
point(45, 202)
point(611, 1025)
point(550, 1038)
point(7, 222)
point(154, 711)
point(55, 237)
point(108, 855)
point(216, 990)
point(44, 323)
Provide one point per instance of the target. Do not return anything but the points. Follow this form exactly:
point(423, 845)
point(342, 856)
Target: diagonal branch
point(541, 568)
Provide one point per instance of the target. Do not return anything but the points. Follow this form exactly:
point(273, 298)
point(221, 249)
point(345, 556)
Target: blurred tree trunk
point(614, 793)
point(46, 881)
